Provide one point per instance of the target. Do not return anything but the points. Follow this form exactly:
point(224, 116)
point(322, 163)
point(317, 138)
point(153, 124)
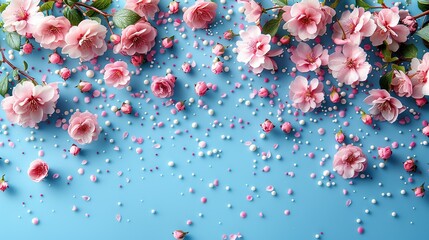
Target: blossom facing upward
point(83, 127)
point(163, 87)
point(309, 59)
point(21, 16)
point(200, 15)
point(402, 84)
point(51, 31)
point(137, 38)
point(144, 8)
point(252, 10)
point(349, 161)
point(384, 107)
point(38, 170)
point(117, 75)
point(305, 95)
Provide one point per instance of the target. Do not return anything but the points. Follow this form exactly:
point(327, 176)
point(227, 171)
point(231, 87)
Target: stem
point(376, 7)
point(4, 59)
point(271, 8)
point(421, 14)
point(104, 14)
point(342, 29)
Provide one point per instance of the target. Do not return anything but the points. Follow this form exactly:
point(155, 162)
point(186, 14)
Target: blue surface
point(149, 183)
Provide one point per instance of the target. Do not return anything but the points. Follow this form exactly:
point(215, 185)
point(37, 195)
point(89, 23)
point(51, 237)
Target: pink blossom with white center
point(307, 19)
point(306, 95)
point(349, 66)
point(419, 73)
point(389, 29)
point(86, 41)
point(117, 75)
point(51, 31)
point(309, 59)
point(384, 107)
point(252, 10)
point(402, 84)
point(353, 27)
point(137, 38)
point(349, 161)
point(21, 16)
point(29, 104)
point(144, 8)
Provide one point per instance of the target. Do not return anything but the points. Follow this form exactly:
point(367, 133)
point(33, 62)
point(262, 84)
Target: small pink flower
point(389, 29)
point(201, 88)
point(51, 31)
point(84, 86)
point(367, 119)
point(425, 131)
point(218, 49)
point(421, 101)
point(86, 40)
point(144, 8)
point(307, 19)
point(173, 7)
point(117, 75)
point(115, 39)
point(419, 191)
point(339, 136)
point(306, 95)
point(410, 22)
point(349, 66)
point(267, 126)
point(186, 67)
point(55, 58)
point(21, 16)
point(309, 59)
point(384, 153)
point(418, 73)
point(384, 107)
point(65, 73)
point(74, 150)
point(217, 67)
point(162, 87)
point(200, 15)
point(27, 48)
point(137, 38)
point(334, 96)
point(3, 184)
point(286, 127)
point(228, 35)
point(83, 127)
point(263, 92)
point(168, 42)
point(137, 60)
point(126, 108)
point(38, 170)
point(180, 106)
point(402, 84)
point(179, 234)
point(410, 165)
point(252, 10)
point(349, 161)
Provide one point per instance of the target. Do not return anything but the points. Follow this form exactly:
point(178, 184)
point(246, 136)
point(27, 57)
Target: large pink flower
point(305, 95)
point(137, 38)
point(86, 41)
point(116, 74)
point(308, 59)
point(419, 74)
point(353, 27)
point(30, 104)
point(38, 170)
point(83, 127)
point(384, 107)
point(252, 10)
point(402, 84)
point(51, 32)
point(389, 29)
point(163, 87)
point(349, 161)
point(307, 19)
point(349, 66)
point(21, 16)
point(144, 8)
point(200, 15)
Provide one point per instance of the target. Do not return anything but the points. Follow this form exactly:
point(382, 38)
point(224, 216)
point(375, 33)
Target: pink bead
point(360, 230)
point(203, 199)
point(243, 214)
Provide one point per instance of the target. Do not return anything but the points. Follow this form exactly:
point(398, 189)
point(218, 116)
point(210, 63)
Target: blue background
point(149, 183)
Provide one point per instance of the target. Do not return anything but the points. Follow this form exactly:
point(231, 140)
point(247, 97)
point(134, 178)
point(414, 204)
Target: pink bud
point(179, 234)
point(228, 35)
point(115, 38)
point(168, 42)
point(74, 150)
point(55, 58)
point(84, 86)
point(29, 35)
point(217, 67)
point(421, 102)
point(27, 48)
point(384, 153)
point(419, 191)
point(170, 77)
point(3, 184)
point(285, 40)
point(263, 92)
point(267, 126)
point(334, 96)
point(410, 165)
point(425, 131)
point(186, 67)
point(180, 106)
point(65, 73)
point(137, 60)
point(126, 108)
point(367, 119)
point(201, 88)
point(339, 137)
point(218, 49)
point(173, 7)
point(286, 127)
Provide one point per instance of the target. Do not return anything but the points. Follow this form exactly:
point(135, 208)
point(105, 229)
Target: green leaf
point(25, 66)
point(70, 2)
point(408, 51)
point(4, 6)
point(272, 26)
point(100, 5)
point(362, 3)
point(73, 15)
point(4, 86)
point(280, 2)
point(97, 19)
point(423, 5)
point(15, 74)
point(380, 1)
point(386, 81)
point(13, 39)
point(335, 4)
point(46, 6)
point(387, 54)
point(424, 33)
point(397, 67)
point(125, 17)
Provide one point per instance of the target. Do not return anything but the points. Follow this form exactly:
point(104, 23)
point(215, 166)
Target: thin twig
point(4, 59)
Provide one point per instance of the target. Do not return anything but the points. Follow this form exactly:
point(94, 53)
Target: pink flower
point(410, 22)
point(200, 15)
point(84, 86)
point(144, 8)
point(83, 127)
point(38, 170)
point(384, 107)
point(349, 161)
point(50, 32)
point(367, 119)
point(65, 73)
point(410, 165)
point(180, 106)
point(307, 19)
point(384, 153)
point(115, 38)
point(305, 95)
point(179, 234)
point(353, 27)
point(126, 108)
point(419, 191)
point(3, 184)
point(389, 29)
point(173, 7)
point(267, 126)
point(263, 92)
point(137, 60)
point(425, 131)
point(137, 38)
point(334, 96)
point(339, 136)
point(349, 66)
point(201, 88)
point(228, 35)
point(86, 41)
point(186, 67)
point(286, 127)
point(402, 84)
point(21, 16)
point(30, 104)
point(74, 150)
point(217, 67)
point(252, 10)
point(168, 42)
point(308, 59)
point(218, 49)
point(162, 87)
point(27, 48)
point(117, 75)
point(419, 76)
